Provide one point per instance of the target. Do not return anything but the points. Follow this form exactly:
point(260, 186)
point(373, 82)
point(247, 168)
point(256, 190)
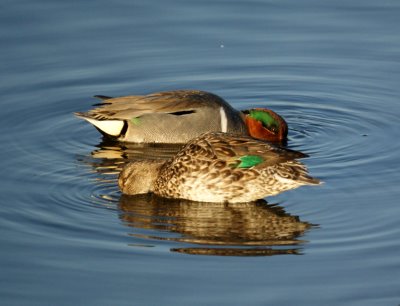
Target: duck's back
point(165, 117)
point(218, 167)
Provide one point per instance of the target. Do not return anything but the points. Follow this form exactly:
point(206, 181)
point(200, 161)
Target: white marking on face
point(224, 120)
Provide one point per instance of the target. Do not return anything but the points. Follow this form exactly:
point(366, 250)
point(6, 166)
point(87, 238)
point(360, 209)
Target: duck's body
point(219, 167)
point(176, 117)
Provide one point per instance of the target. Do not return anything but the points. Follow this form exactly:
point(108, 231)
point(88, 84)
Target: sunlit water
point(68, 236)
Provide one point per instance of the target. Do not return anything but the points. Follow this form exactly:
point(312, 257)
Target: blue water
point(68, 237)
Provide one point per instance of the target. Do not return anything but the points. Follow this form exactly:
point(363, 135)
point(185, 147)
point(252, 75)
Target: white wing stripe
point(224, 120)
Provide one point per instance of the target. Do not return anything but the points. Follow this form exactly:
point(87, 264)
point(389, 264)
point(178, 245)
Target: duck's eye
point(274, 129)
point(265, 118)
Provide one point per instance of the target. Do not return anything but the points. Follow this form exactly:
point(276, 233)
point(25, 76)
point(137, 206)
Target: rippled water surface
point(68, 237)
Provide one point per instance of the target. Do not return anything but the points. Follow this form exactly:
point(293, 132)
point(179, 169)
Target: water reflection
point(245, 229)
point(109, 149)
point(110, 156)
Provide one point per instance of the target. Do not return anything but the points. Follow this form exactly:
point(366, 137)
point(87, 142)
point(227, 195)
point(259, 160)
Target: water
point(68, 237)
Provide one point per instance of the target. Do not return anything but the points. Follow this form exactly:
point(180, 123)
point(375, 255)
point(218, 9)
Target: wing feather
point(229, 147)
point(128, 107)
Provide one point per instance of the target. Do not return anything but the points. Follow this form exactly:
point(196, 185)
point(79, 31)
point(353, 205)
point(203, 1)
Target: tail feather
point(109, 127)
point(103, 99)
point(309, 180)
point(295, 171)
point(81, 115)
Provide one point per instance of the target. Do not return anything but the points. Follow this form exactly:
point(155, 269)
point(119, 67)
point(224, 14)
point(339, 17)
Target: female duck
point(218, 167)
point(178, 116)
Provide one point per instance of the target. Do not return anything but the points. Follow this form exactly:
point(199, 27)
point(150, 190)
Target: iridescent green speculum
point(135, 120)
point(265, 118)
point(249, 161)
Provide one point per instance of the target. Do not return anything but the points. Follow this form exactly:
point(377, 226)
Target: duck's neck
point(154, 167)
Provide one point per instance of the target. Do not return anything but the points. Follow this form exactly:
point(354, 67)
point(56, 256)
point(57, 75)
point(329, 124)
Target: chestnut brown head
point(265, 124)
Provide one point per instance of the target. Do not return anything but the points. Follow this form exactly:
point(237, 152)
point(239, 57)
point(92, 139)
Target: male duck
point(178, 116)
point(218, 167)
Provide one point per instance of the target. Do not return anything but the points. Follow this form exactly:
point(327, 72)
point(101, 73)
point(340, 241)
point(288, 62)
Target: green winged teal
point(219, 167)
point(179, 116)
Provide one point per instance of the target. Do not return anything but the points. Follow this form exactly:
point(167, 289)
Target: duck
point(218, 167)
point(179, 116)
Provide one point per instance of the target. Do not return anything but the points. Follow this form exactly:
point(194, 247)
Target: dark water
point(68, 237)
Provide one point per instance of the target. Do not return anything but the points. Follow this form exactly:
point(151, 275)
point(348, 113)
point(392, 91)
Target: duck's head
point(265, 124)
point(138, 177)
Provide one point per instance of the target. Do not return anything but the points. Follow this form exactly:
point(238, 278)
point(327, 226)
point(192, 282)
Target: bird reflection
point(109, 157)
point(241, 229)
point(109, 149)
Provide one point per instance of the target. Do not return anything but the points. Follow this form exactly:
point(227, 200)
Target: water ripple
point(343, 132)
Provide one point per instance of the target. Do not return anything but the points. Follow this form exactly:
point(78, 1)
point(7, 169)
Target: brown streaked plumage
point(219, 167)
point(176, 117)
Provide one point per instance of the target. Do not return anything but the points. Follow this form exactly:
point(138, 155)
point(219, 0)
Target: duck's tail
point(296, 172)
point(108, 127)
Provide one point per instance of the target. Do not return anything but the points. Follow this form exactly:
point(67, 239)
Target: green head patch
point(264, 117)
